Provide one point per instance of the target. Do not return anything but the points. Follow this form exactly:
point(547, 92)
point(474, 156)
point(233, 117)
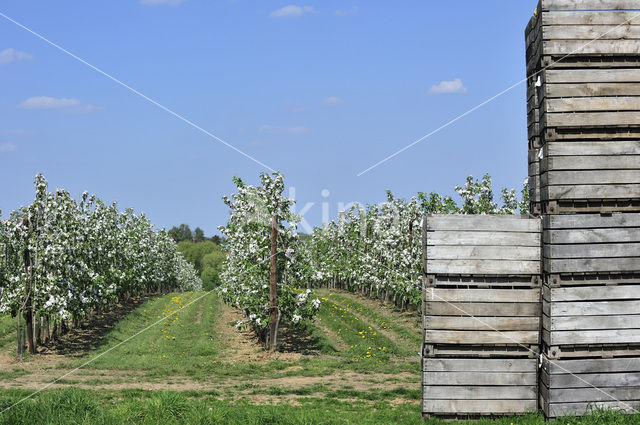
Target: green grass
point(88, 407)
point(177, 344)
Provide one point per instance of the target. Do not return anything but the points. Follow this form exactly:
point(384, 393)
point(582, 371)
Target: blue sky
point(317, 90)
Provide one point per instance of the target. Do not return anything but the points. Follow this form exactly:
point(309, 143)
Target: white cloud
point(7, 147)
point(345, 12)
point(55, 104)
point(446, 87)
point(162, 2)
point(332, 101)
point(291, 11)
point(12, 55)
point(283, 129)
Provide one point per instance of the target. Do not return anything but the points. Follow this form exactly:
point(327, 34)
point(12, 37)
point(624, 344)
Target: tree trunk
point(272, 281)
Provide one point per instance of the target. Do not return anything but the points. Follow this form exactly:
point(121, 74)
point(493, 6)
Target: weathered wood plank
point(589, 380)
point(433, 308)
point(615, 162)
point(481, 323)
point(594, 308)
point(552, 76)
point(552, 91)
point(587, 5)
point(587, 33)
point(611, 265)
point(627, 365)
point(591, 119)
point(593, 148)
point(611, 191)
point(585, 395)
point(590, 221)
point(483, 238)
point(592, 104)
point(570, 323)
point(608, 336)
point(483, 267)
point(483, 223)
point(592, 251)
point(461, 252)
point(483, 295)
point(594, 293)
point(587, 236)
point(577, 409)
point(480, 378)
point(481, 337)
point(482, 407)
point(589, 18)
point(587, 177)
point(449, 392)
point(479, 365)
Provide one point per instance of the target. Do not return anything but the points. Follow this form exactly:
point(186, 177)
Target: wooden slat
point(479, 365)
point(505, 267)
point(481, 337)
point(616, 162)
point(483, 252)
point(571, 323)
point(592, 104)
point(608, 336)
point(592, 76)
point(482, 407)
point(603, 265)
point(585, 236)
point(552, 91)
point(611, 191)
point(590, 18)
point(483, 295)
point(594, 293)
point(483, 223)
point(556, 367)
point(480, 378)
point(596, 148)
point(483, 238)
point(594, 308)
point(481, 324)
point(577, 409)
point(592, 251)
point(450, 392)
point(576, 5)
point(433, 308)
point(587, 177)
point(587, 33)
point(588, 380)
point(591, 221)
point(592, 119)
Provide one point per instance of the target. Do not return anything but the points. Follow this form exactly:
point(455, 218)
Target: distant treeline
point(205, 254)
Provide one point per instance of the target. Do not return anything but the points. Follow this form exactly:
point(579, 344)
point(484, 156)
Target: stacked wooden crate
point(481, 315)
point(583, 59)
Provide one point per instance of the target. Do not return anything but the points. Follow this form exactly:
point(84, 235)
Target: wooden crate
point(589, 175)
point(574, 387)
point(497, 245)
point(591, 243)
point(590, 101)
point(583, 29)
point(506, 320)
point(591, 321)
point(535, 201)
point(459, 387)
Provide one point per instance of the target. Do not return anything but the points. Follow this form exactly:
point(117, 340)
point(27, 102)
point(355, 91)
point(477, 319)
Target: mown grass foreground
point(356, 363)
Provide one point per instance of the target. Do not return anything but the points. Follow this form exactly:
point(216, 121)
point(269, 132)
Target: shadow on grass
point(90, 333)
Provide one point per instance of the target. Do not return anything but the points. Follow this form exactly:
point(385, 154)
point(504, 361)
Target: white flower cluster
point(84, 255)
